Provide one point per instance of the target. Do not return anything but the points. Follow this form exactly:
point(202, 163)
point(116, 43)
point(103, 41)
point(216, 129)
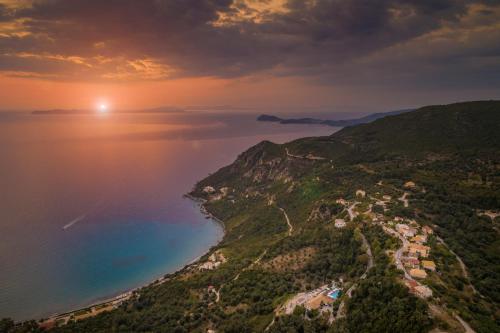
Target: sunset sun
point(103, 108)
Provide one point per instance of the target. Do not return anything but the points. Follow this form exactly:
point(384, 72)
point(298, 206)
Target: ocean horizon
point(93, 207)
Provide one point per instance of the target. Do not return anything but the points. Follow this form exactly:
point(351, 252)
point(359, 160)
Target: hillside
point(335, 123)
point(390, 226)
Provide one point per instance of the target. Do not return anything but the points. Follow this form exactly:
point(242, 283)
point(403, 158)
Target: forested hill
point(440, 129)
point(402, 215)
point(452, 154)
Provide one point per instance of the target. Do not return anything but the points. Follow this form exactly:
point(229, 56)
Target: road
point(399, 253)
point(466, 326)
point(462, 265)
point(307, 157)
point(341, 311)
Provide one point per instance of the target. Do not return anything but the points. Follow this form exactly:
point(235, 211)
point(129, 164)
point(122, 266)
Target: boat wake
point(72, 222)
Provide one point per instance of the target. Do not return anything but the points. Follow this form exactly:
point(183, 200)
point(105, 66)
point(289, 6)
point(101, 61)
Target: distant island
point(334, 123)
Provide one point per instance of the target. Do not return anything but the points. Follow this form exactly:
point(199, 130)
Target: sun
point(103, 107)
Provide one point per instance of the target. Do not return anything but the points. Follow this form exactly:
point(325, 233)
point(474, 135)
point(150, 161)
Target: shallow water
point(92, 206)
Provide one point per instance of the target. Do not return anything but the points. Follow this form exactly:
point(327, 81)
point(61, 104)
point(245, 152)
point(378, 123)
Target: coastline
point(113, 302)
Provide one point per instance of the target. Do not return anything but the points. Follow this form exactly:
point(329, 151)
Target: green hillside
point(314, 211)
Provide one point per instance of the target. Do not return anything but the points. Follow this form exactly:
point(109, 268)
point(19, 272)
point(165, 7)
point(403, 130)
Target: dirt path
point(307, 157)
point(404, 199)
point(290, 226)
point(350, 210)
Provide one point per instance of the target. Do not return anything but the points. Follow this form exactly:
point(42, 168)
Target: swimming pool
point(334, 294)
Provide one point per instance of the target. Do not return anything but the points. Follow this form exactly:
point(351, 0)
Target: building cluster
point(215, 260)
point(320, 299)
point(415, 250)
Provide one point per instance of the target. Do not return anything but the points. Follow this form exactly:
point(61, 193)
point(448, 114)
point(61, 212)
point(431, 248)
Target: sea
point(92, 205)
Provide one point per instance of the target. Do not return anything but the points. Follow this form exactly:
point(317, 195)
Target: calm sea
point(92, 206)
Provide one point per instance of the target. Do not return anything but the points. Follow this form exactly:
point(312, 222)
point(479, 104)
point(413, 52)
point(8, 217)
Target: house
point(224, 191)
point(410, 232)
point(418, 249)
point(409, 184)
point(340, 223)
point(208, 189)
point(386, 197)
point(427, 230)
point(401, 227)
point(418, 273)
point(341, 201)
point(406, 230)
point(411, 262)
point(419, 239)
point(360, 193)
point(423, 291)
point(429, 265)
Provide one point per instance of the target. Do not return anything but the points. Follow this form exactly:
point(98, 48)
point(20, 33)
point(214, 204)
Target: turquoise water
point(92, 207)
point(334, 294)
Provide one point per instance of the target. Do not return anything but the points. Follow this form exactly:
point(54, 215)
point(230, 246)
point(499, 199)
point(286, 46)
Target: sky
point(348, 55)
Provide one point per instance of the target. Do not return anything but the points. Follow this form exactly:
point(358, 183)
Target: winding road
point(341, 311)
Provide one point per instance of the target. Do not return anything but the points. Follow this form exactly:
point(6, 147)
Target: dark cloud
point(158, 39)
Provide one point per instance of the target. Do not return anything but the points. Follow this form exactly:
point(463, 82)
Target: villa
point(208, 189)
point(341, 201)
point(409, 184)
point(418, 273)
point(411, 262)
point(419, 239)
point(429, 265)
point(427, 230)
point(406, 230)
point(418, 249)
point(340, 223)
point(360, 193)
point(423, 291)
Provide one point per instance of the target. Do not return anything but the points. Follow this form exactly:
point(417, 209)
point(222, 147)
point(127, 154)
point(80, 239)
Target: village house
point(410, 262)
point(423, 291)
point(419, 239)
point(224, 191)
point(429, 265)
point(387, 197)
point(341, 201)
point(340, 223)
point(360, 193)
point(418, 249)
point(427, 230)
point(418, 273)
point(401, 227)
point(409, 184)
point(208, 189)
point(406, 230)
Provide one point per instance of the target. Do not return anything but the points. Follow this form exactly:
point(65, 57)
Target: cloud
point(332, 41)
